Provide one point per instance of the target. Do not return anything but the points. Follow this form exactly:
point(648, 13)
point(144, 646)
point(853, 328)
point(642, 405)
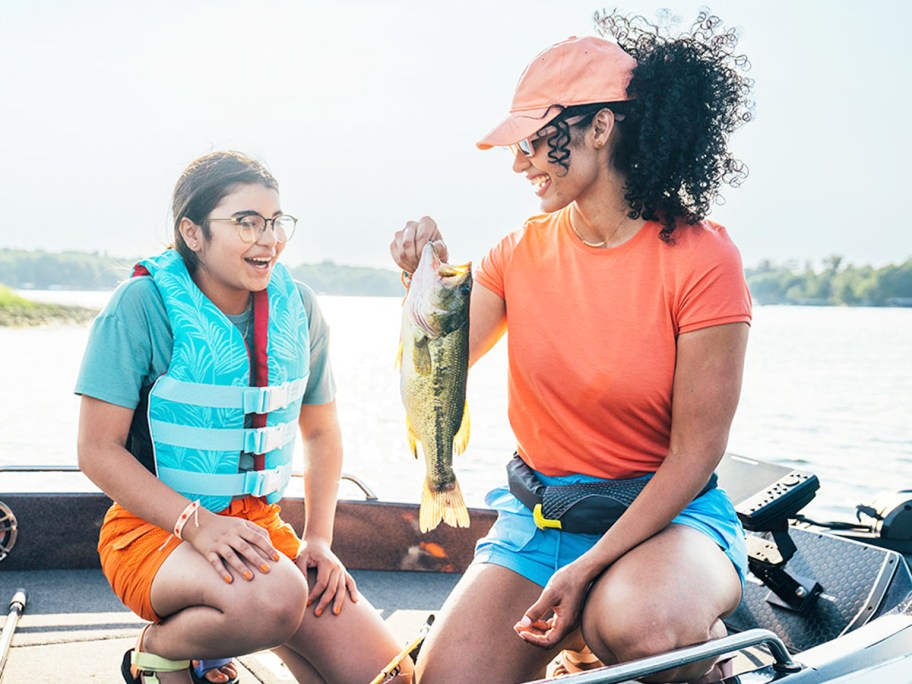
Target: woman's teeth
point(259, 263)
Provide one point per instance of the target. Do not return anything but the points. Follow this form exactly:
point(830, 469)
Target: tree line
point(40, 270)
point(834, 283)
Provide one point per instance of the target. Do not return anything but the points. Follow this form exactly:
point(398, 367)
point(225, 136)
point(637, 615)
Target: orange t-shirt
point(592, 337)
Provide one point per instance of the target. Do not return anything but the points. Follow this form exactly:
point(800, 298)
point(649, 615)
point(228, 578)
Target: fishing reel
point(9, 527)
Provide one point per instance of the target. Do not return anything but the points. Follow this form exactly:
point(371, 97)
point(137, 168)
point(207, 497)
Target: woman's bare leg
point(473, 639)
point(670, 591)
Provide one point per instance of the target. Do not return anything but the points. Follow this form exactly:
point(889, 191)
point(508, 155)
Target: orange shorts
point(132, 550)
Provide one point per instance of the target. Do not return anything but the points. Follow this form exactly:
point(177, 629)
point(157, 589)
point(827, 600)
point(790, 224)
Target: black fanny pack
point(586, 507)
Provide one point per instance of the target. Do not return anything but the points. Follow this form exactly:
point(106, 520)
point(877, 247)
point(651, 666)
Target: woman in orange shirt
point(628, 316)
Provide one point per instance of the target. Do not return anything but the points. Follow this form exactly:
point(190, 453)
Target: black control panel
point(765, 495)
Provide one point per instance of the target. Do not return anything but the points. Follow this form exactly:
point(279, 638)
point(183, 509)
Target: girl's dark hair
point(203, 184)
point(672, 144)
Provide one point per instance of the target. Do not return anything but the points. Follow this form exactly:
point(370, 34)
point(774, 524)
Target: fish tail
point(442, 506)
point(461, 440)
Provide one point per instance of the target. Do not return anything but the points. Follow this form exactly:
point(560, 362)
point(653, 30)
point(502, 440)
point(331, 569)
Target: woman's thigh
point(668, 592)
point(473, 638)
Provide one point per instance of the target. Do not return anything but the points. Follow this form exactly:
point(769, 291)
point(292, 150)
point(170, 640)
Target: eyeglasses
point(527, 145)
point(251, 226)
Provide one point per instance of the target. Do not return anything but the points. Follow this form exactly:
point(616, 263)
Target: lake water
point(826, 389)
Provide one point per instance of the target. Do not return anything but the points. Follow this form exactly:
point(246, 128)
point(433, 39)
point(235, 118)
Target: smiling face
point(555, 186)
point(229, 268)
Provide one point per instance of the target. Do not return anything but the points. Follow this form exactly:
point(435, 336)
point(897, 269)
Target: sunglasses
point(527, 145)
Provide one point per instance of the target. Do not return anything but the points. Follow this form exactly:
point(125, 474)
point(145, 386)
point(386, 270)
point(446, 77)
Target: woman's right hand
point(233, 546)
point(407, 243)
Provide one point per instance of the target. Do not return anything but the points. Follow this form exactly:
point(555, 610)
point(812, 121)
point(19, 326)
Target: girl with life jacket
point(196, 378)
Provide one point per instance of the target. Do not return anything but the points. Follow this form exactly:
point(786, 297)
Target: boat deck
point(75, 630)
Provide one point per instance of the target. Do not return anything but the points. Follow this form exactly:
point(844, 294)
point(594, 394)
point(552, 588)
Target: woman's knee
point(632, 629)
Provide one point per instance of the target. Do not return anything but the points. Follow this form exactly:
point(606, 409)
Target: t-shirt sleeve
point(321, 387)
point(118, 355)
point(713, 290)
point(492, 270)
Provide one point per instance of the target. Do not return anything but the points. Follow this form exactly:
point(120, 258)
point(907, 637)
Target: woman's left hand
point(561, 599)
point(333, 582)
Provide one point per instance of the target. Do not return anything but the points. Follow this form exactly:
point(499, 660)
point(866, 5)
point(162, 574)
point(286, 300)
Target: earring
point(598, 144)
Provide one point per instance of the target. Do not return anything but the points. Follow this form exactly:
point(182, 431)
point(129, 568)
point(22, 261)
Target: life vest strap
point(248, 483)
point(250, 440)
point(249, 399)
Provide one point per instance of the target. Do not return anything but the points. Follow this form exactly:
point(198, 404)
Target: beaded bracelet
point(191, 509)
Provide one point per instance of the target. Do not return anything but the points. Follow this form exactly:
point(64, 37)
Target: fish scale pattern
point(558, 499)
point(854, 577)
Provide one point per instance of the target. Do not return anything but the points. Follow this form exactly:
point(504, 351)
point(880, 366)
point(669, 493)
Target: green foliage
point(41, 270)
point(330, 278)
point(16, 311)
point(836, 283)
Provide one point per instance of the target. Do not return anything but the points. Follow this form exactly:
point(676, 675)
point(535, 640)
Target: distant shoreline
point(837, 283)
point(19, 312)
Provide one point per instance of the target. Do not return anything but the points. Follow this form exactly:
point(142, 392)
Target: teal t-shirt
point(130, 345)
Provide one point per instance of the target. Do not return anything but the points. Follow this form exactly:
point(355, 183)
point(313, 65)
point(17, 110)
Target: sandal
point(201, 667)
point(137, 664)
point(571, 662)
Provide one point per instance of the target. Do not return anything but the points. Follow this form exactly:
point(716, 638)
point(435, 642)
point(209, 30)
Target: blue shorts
point(516, 543)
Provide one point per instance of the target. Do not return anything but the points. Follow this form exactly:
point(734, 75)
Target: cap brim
point(518, 125)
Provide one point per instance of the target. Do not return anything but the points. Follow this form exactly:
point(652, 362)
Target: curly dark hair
point(672, 144)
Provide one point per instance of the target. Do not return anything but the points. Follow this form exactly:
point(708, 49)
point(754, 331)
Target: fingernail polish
point(264, 567)
point(275, 557)
point(336, 611)
point(248, 575)
point(318, 612)
point(227, 579)
point(309, 602)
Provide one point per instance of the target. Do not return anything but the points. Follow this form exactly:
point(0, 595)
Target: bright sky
point(367, 113)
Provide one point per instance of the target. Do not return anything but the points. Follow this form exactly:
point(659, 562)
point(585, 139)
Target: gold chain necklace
point(586, 242)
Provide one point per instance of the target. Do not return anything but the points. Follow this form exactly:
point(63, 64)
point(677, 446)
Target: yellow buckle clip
point(541, 522)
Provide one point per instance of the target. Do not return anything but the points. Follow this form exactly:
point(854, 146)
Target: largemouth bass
point(434, 365)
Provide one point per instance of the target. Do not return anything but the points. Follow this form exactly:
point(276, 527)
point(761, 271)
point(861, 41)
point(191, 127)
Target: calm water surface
point(826, 389)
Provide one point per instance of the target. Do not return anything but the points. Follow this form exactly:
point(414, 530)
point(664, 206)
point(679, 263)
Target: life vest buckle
point(266, 399)
point(263, 440)
point(264, 482)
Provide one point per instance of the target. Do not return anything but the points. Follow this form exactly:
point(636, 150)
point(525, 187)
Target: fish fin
point(422, 356)
point(399, 355)
point(461, 440)
point(446, 506)
point(412, 437)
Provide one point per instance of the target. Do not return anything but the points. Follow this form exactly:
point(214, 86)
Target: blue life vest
point(197, 410)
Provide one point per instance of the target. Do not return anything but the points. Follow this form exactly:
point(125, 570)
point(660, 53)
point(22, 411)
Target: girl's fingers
point(352, 587)
point(329, 593)
point(216, 562)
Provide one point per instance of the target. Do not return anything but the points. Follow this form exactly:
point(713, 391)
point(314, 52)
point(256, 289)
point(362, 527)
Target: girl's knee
point(274, 609)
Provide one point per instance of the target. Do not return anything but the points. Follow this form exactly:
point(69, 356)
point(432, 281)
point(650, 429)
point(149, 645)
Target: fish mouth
point(452, 270)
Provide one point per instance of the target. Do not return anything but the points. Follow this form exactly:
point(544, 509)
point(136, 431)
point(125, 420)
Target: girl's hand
point(333, 581)
point(407, 243)
point(234, 547)
point(556, 612)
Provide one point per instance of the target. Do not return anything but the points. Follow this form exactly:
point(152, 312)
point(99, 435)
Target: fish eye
point(465, 288)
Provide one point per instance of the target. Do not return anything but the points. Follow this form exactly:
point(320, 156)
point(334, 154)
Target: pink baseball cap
point(573, 72)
